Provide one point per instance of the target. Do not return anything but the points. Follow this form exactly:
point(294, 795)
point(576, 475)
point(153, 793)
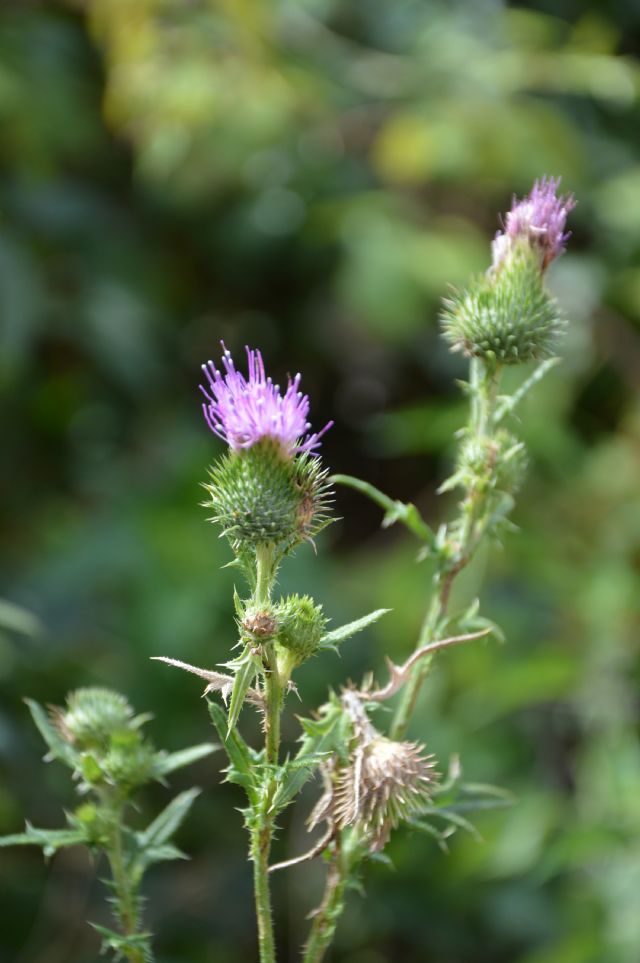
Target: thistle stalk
point(124, 890)
point(326, 917)
point(262, 821)
point(484, 381)
point(505, 318)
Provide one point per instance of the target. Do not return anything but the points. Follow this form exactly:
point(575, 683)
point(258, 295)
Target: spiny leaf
point(455, 818)
point(123, 945)
point(237, 604)
point(50, 840)
point(167, 822)
point(440, 836)
point(166, 763)
point(317, 741)
point(351, 628)
point(245, 674)
point(242, 770)
point(59, 749)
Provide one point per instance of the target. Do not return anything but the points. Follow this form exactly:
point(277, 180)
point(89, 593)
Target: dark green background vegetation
point(308, 176)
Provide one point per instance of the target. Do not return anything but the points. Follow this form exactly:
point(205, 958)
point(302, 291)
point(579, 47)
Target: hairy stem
point(260, 849)
point(484, 385)
point(325, 919)
point(419, 673)
point(464, 537)
point(262, 824)
point(125, 896)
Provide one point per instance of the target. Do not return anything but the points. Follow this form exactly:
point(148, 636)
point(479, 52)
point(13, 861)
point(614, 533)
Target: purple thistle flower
point(538, 218)
point(242, 411)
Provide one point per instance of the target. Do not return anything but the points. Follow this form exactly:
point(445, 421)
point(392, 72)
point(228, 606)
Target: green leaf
point(49, 840)
point(245, 674)
point(242, 769)
point(58, 748)
point(237, 604)
point(162, 854)
point(167, 822)
point(395, 511)
point(122, 945)
point(440, 836)
point(507, 403)
point(169, 762)
point(451, 816)
point(321, 736)
point(337, 636)
point(16, 619)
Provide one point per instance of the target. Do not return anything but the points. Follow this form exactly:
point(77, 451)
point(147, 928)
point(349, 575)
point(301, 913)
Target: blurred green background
point(308, 176)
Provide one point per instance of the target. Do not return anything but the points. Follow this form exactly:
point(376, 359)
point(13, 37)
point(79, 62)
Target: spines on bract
point(260, 496)
point(315, 496)
point(499, 460)
point(507, 316)
point(301, 625)
point(253, 494)
point(92, 715)
point(101, 726)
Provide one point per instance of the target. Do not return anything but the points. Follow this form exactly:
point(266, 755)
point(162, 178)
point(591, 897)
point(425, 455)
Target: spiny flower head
point(382, 783)
point(92, 715)
point(537, 220)
point(243, 411)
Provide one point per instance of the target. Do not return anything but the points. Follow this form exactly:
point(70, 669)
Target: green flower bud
point(500, 460)
point(507, 316)
point(92, 716)
point(259, 495)
point(129, 762)
point(301, 625)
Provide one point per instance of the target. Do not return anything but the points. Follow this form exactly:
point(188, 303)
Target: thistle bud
point(101, 726)
point(499, 460)
point(508, 317)
point(92, 716)
point(259, 623)
point(301, 625)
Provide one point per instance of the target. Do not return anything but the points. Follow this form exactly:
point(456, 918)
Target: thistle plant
point(269, 494)
point(99, 738)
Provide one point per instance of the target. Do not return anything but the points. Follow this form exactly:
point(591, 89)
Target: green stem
point(411, 691)
point(260, 849)
point(484, 386)
point(263, 821)
point(325, 919)
point(126, 902)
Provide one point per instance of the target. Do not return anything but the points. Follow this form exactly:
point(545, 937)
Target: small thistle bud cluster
point(97, 736)
point(269, 488)
point(101, 727)
point(499, 461)
point(508, 316)
point(92, 716)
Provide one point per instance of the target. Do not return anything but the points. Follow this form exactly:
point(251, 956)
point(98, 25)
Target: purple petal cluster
point(242, 411)
point(540, 219)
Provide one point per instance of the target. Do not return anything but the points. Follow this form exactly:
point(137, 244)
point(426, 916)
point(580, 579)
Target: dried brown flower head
point(382, 783)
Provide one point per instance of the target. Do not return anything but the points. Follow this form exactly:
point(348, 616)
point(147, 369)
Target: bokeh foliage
point(309, 177)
